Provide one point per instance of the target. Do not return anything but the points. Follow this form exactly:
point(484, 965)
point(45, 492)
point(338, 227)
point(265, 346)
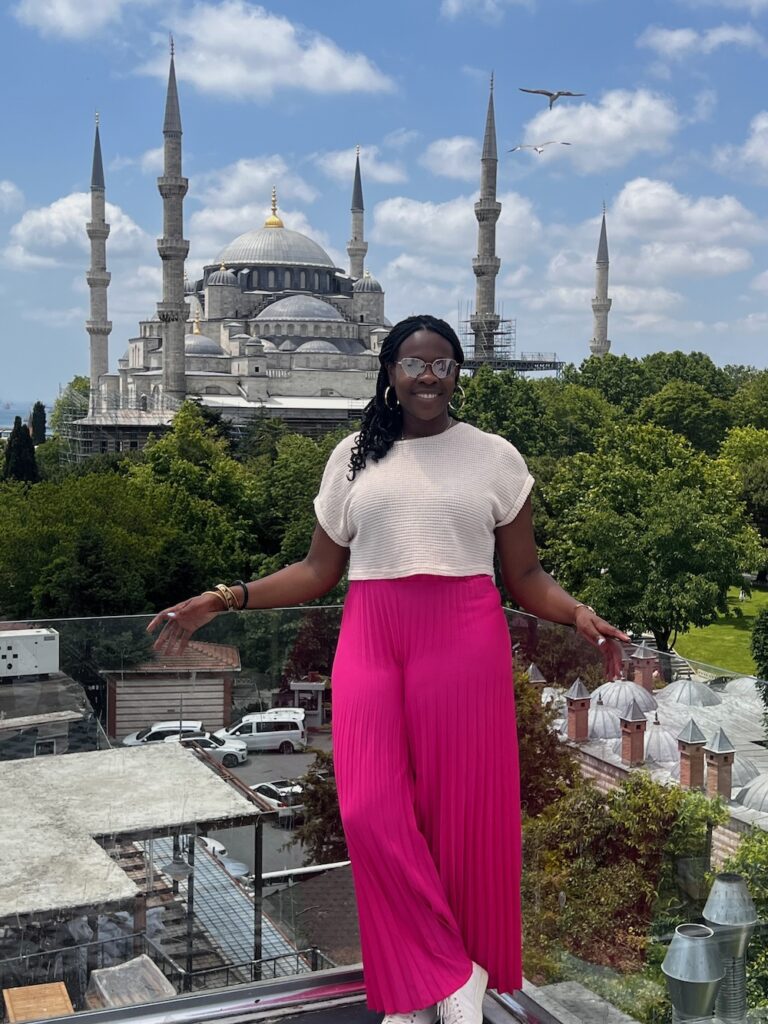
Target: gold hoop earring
point(457, 408)
point(386, 398)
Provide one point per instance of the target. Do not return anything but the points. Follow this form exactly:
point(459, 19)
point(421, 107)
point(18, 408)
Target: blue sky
point(672, 134)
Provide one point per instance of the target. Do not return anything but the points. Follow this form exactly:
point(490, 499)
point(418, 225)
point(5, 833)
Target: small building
point(196, 684)
point(45, 716)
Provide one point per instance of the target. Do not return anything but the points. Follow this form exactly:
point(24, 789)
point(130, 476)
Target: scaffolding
point(498, 348)
point(95, 424)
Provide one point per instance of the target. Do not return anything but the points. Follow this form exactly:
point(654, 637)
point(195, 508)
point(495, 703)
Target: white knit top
point(430, 505)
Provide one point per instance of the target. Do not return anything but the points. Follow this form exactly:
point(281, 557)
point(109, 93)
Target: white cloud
point(752, 156)
point(400, 138)
point(608, 134)
point(760, 283)
point(753, 6)
point(629, 298)
point(11, 197)
point(250, 180)
point(55, 235)
point(340, 165)
point(489, 10)
point(647, 208)
point(72, 19)
point(679, 43)
point(149, 162)
point(242, 51)
point(454, 157)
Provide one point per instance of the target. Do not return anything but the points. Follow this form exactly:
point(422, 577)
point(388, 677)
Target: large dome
point(300, 307)
point(318, 345)
point(275, 246)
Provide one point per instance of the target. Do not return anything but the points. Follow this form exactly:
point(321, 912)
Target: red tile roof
point(196, 657)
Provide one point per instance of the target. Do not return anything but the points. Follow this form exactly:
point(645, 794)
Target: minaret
point(98, 277)
point(485, 321)
point(357, 246)
point(173, 247)
point(601, 304)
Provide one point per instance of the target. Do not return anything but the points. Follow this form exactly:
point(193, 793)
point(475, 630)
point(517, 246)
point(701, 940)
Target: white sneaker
point(465, 1005)
point(428, 1016)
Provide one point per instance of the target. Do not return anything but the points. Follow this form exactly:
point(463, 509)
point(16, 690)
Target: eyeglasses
point(415, 367)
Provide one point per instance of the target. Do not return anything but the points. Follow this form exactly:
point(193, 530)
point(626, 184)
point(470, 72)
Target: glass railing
point(135, 867)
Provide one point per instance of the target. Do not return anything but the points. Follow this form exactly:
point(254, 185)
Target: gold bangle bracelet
point(227, 596)
point(217, 594)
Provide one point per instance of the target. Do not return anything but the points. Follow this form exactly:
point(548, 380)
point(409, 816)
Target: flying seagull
point(539, 148)
point(552, 95)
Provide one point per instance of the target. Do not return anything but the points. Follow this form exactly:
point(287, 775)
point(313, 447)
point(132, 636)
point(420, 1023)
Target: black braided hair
point(383, 420)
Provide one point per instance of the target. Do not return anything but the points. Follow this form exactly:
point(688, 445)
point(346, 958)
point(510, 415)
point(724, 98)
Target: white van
point(280, 729)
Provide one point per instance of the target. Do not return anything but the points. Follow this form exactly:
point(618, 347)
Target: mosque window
point(291, 329)
point(271, 279)
point(317, 281)
point(287, 279)
point(143, 403)
point(304, 330)
point(303, 279)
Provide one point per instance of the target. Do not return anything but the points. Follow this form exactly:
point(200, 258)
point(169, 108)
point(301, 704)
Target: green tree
point(649, 531)
point(750, 403)
point(573, 416)
point(321, 833)
point(745, 450)
point(759, 643)
point(547, 768)
point(691, 368)
point(37, 423)
point(751, 862)
point(621, 380)
point(503, 403)
point(20, 461)
point(689, 409)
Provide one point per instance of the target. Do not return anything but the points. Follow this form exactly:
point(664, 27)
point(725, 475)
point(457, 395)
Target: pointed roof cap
point(97, 174)
point(633, 713)
point(273, 221)
point(489, 139)
point(692, 734)
point(578, 691)
point(535, 674)
point(172, 122)
point(602, 248)
point(644, 653)
point(357, 188)
point(720, 744)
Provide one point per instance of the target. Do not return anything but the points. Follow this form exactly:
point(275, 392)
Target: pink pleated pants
point(425, 754)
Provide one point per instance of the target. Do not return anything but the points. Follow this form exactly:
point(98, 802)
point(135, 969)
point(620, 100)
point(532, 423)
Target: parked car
point(162, 730)
point(270, 730)
point(284, 796)
point(230, 752)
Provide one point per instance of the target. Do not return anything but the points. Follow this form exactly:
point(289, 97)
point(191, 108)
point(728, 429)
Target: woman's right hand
point(181, 620)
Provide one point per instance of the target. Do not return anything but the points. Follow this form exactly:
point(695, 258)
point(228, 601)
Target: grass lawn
point(725, 643)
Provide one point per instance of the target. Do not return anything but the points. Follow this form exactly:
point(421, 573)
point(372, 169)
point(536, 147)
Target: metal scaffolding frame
point(503, 330)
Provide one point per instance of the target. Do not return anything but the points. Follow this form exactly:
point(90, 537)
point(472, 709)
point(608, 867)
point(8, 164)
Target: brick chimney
point(690, 743)
point(720, 754)
point(633, 725)
point(645, 662)
point(578, 700)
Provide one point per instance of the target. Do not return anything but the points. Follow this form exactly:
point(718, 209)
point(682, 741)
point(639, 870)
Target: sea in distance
point(10, 409)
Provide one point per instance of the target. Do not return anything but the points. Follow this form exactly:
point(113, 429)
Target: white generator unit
point(28, 652)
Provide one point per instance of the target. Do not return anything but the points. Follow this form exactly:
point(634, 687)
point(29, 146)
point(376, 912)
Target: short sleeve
point(513, 484)
point(332, 501)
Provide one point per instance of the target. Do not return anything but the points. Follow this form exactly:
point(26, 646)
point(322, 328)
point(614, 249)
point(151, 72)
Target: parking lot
point(268, 767)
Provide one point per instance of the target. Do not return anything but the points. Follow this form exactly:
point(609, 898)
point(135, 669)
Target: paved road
point(267, 767)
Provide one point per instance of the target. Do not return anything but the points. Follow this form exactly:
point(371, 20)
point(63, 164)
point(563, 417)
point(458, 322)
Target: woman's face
point(425, 397)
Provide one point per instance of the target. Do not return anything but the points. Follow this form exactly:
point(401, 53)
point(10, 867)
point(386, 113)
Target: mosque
point(273, 328)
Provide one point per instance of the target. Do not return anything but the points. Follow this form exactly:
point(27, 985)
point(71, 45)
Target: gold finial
point(222, 267)
point(196, 324)
point(97, 119)
point(273, 221)
point(357, 152)
point(171, 44)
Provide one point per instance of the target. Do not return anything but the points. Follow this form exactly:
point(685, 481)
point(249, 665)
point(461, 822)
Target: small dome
point(300, 307)
point(222, 277)
point(691, 692)
point(318, 345)
point(287, 346)
point(201, 345)
point(744, 686)
point(367, 283)
point(269, 346)
point(755, 795)
point(620, 693)
point(604, 722)
point(189, 286)
point(661, 744)
point(744, 771)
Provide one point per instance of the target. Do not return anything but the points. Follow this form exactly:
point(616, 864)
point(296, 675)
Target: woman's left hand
point(604, 636)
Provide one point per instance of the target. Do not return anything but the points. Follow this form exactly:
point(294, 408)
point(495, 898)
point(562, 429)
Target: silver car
point(227, 751)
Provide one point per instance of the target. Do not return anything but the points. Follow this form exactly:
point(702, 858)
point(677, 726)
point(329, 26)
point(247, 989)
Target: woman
point(424, 737)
